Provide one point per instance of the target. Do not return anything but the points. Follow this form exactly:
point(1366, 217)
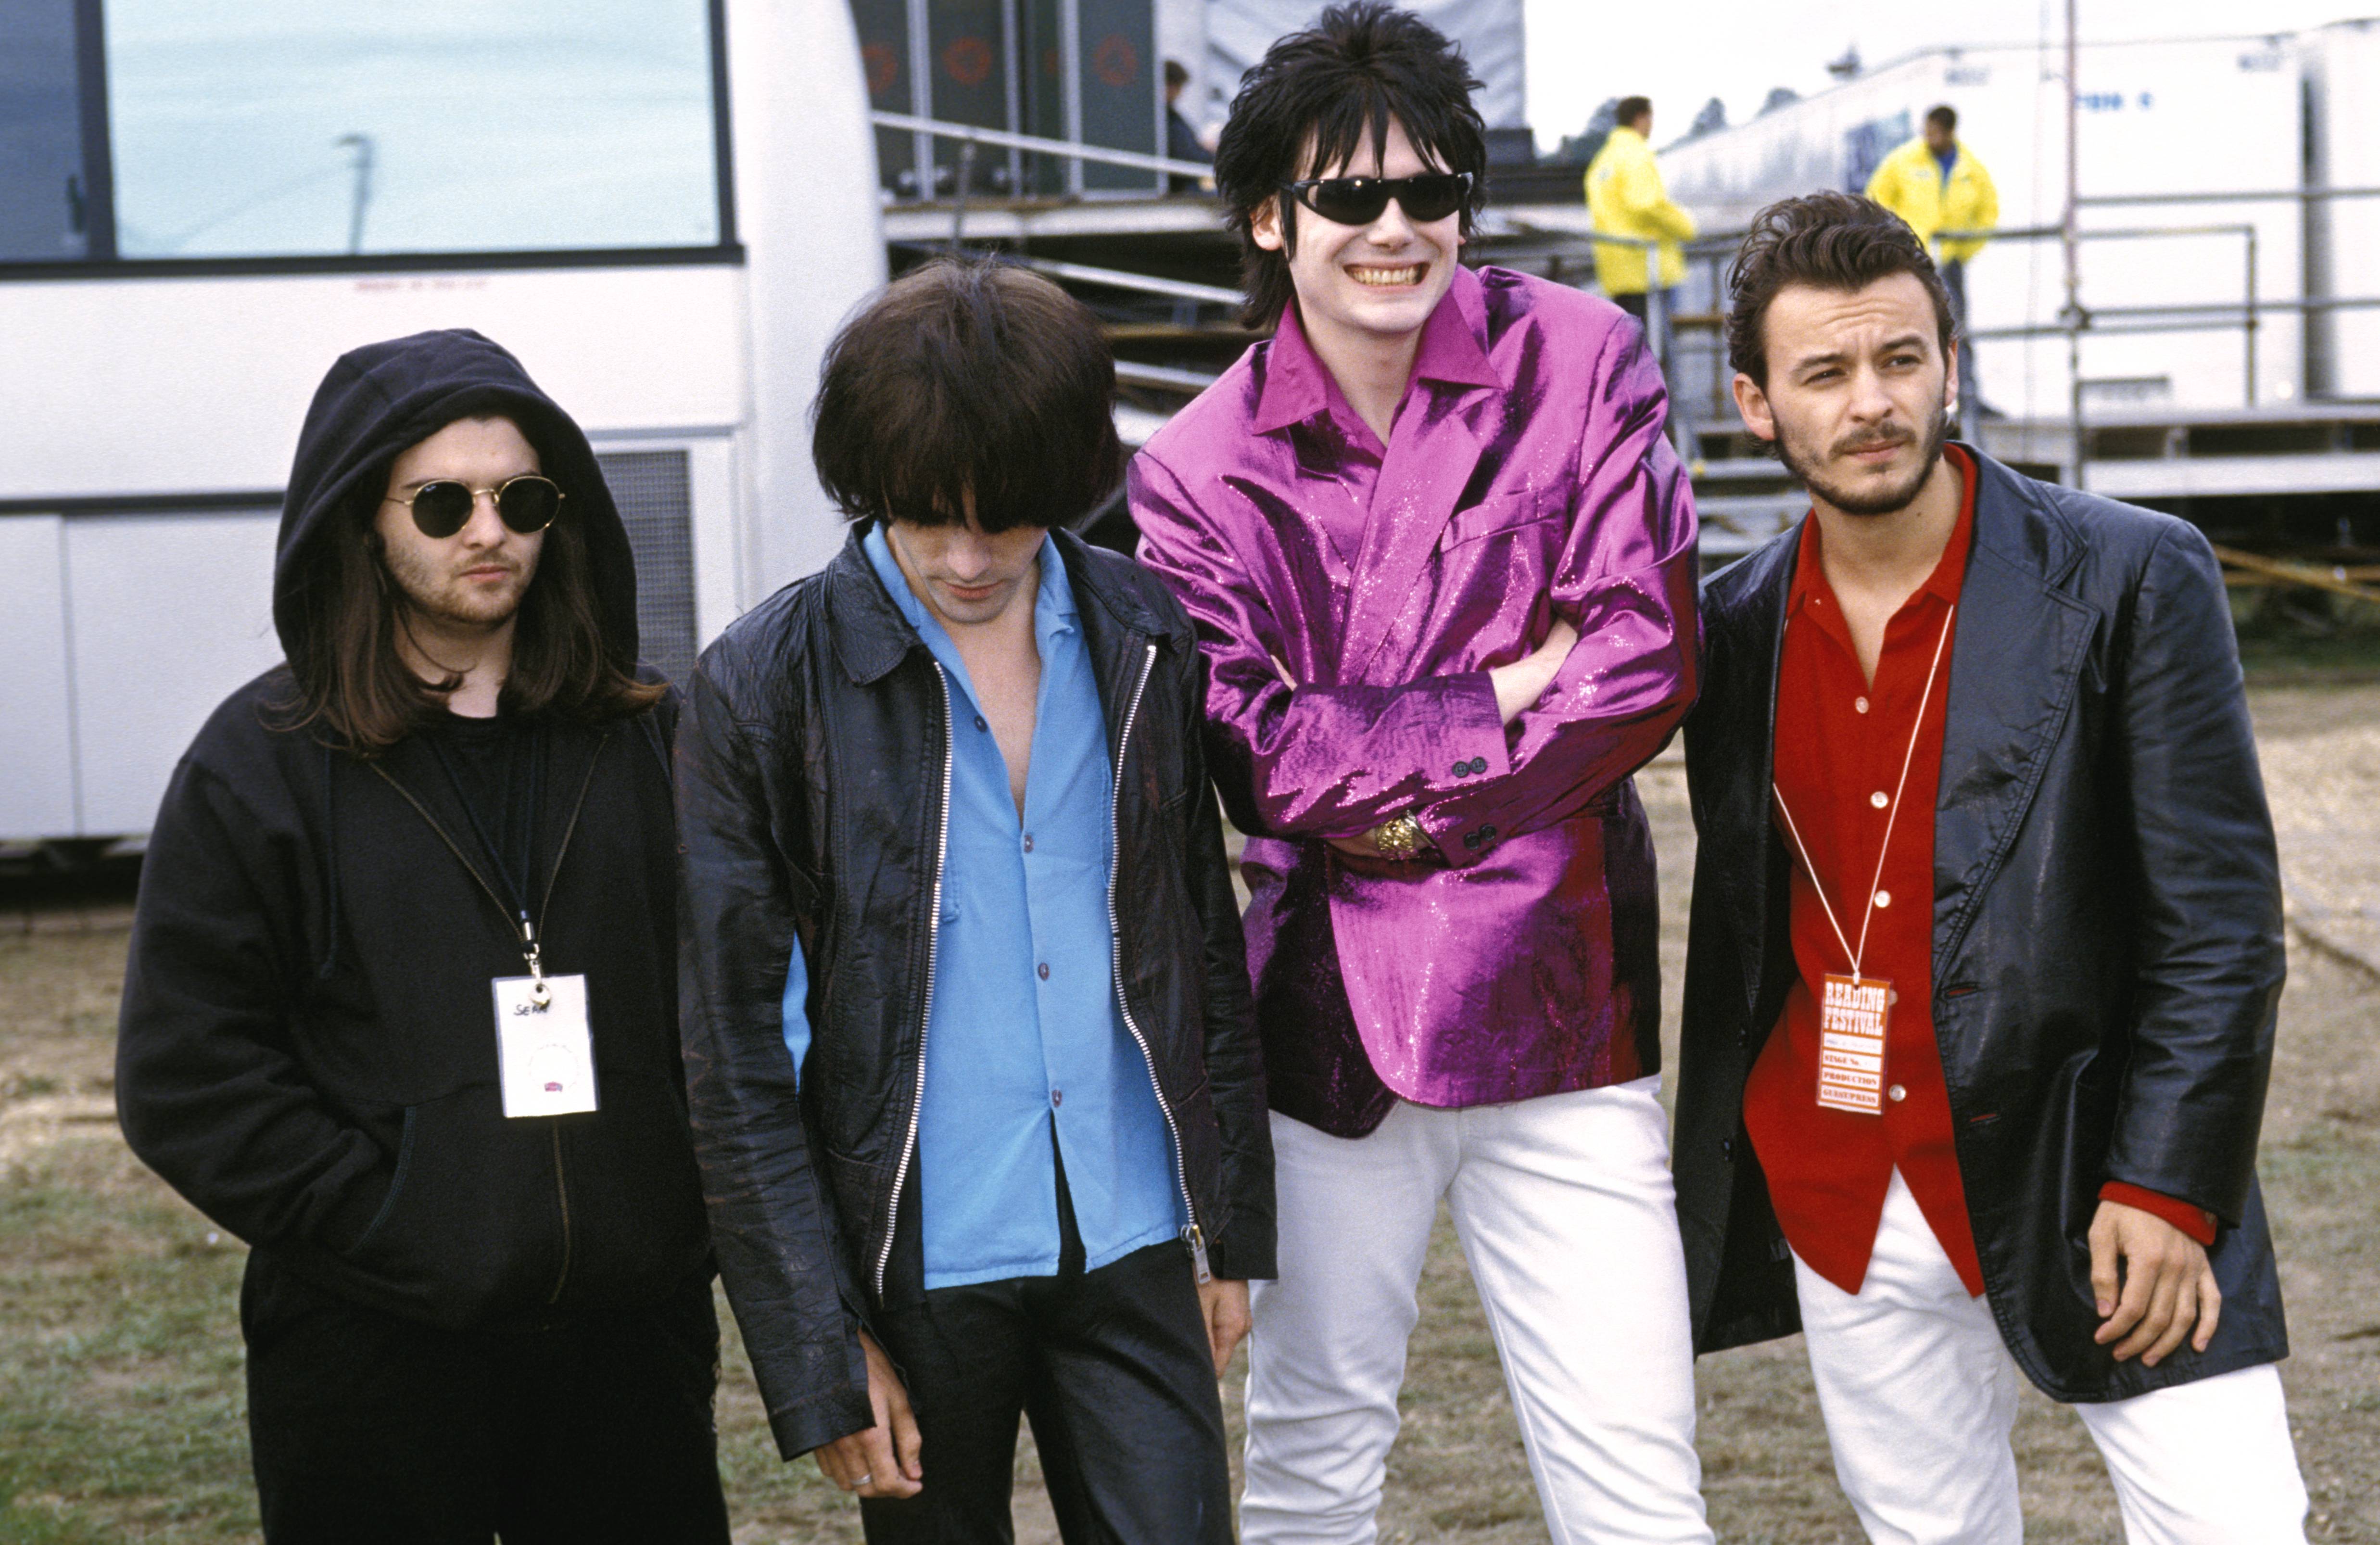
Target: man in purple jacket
point(1442, 562)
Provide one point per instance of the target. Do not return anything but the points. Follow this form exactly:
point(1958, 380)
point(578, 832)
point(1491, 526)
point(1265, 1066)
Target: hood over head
point(382, 399)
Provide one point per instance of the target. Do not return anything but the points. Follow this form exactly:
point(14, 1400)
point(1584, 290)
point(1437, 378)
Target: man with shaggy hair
point(1441, 563)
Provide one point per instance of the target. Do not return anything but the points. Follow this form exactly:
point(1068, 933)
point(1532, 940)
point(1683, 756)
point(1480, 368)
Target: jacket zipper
point(926, 1016)
point(528, 934)
point(1192, 1235)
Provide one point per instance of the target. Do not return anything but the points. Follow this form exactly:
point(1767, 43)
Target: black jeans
point(368, 1428)
point(1110, 1367)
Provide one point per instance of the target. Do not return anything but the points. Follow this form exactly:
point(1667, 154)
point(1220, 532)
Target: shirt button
point(1042, 970)
point(1884, 899)
point(1879, 799)
point(1057, 1096)
point(1896, 1094)
point(1028, 836)
point(981, 726)
point(1859, 703)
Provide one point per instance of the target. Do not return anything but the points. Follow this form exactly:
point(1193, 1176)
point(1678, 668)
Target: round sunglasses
point(443, 506)
point(1361, 200)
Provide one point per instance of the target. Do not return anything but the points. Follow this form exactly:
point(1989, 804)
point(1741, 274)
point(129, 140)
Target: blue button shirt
point(1023, 1035)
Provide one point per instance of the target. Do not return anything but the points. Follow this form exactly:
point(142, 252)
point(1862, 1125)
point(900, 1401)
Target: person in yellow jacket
point(1625, 197)
point(1936, 184)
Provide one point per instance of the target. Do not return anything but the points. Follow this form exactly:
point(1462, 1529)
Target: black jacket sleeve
point(1234, 1060)
point(742, 901)
point(2208, 960)
point(207, 1086)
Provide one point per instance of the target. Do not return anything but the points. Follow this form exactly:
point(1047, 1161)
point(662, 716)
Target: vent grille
point(654, 491)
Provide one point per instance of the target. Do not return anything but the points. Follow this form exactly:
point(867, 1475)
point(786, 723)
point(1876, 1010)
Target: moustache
point(1875, 442)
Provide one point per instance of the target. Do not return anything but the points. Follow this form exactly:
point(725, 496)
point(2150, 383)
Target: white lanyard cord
point(1892, 815)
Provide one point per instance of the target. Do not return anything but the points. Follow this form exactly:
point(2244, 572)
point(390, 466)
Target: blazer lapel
point(1757, 626)
point(2014, 667)
point(1426, 470)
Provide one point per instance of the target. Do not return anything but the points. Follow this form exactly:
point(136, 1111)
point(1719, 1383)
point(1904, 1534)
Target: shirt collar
point(1452, 352)
point(1053, 601)
point(1949, 571)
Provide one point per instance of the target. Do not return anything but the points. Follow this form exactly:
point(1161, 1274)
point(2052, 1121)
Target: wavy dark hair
point(968, 378)
point(1321, 96)
point(1834, 241)
point(353, 685)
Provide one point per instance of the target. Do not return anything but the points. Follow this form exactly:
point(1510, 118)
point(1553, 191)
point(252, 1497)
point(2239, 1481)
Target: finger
point(835, 1463)
point(907, 1444)
point(2210, 1309)
point(2130, 1303)
point(1219, 1339)
point(2103, 1280)
point(885, 1478)
point(2185, 1315)
point(2155, 1312)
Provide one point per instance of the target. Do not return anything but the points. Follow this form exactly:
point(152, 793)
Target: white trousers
point(1569, 1222)
point(1920, 1394)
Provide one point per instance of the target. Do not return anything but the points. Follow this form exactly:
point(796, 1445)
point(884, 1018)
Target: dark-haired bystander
point(980, 1112)
point(1985, 950)
point(400, 1011)
point(1442, 562)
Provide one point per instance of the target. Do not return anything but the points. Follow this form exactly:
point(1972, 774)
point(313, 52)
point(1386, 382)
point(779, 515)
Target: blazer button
point(1463, 769)
point(1478, 764)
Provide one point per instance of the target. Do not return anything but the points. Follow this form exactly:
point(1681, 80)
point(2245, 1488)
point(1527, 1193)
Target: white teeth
point(1410, 274)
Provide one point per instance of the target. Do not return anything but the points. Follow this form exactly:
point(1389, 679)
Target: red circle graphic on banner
point(883, 66)
point(969, 61)
point(1115, 61)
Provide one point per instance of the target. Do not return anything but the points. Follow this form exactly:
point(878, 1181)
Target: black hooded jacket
point(307, 1047)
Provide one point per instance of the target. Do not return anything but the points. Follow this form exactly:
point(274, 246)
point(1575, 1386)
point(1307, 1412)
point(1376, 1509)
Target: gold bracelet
point(1400, 838)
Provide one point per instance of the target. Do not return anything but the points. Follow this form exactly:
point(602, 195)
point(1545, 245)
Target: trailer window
point(47, 201)
point(306, 127)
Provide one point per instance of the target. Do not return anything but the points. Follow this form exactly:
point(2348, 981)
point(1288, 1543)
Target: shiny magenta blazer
point(1528, 475)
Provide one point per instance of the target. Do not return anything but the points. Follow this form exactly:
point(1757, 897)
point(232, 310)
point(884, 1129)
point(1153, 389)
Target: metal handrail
point(1072, 150)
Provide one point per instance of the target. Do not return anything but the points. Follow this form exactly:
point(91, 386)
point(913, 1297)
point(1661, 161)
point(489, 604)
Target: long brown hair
point(351, 681)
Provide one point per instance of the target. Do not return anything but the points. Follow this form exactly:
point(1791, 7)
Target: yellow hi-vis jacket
point(1625, 197)
point(1910, 184)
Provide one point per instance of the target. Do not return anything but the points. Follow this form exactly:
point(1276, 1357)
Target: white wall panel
point(168, 614)
point(36, 734)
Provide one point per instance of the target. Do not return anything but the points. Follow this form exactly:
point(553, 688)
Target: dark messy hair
point(1946, 115)
point(1629, 110)
point(1834, 241)
point(351, 681)
point(1321, 96)
point(967, 377)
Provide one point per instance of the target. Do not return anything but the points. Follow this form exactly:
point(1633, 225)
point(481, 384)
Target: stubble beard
point(443, 599)
point(1889, 500)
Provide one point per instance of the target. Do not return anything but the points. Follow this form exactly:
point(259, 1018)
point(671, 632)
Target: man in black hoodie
point(401, 1008)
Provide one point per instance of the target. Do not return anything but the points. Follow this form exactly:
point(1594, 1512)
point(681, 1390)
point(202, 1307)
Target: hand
point(2166, 1285)
point(865, 1461)
point(1224, 1306)
point(1522, 683)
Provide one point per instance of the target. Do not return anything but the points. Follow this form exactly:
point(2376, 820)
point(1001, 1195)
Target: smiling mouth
point(1387, 278)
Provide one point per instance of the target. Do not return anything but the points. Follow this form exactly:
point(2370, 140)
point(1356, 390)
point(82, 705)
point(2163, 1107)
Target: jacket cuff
point(1243, 1252)
point(814, 1423)
point(2195, 1222)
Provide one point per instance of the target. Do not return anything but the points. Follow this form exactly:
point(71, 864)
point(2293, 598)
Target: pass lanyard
point(1856, 953)
point(516, 882)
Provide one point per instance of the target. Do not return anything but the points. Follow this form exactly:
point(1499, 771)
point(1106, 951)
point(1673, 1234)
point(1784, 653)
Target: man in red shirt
point(1985, 949)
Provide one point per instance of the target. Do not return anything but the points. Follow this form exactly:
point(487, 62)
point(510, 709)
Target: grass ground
point(121, 1412)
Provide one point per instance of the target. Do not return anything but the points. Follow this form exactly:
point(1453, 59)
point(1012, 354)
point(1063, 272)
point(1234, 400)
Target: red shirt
point(1841, 742)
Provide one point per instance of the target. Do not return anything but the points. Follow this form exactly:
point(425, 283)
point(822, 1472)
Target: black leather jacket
point(2107, 954)
point(813, 768)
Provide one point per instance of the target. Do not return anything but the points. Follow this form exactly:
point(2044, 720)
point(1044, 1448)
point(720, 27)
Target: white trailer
point(2156, 119)
point(2342, 71)
point(186, 246)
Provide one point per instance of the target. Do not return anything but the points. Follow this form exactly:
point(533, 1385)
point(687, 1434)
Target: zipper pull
point(1196, 1240)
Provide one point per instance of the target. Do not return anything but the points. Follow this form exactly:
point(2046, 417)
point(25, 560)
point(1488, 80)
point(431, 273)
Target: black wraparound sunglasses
point(1361, 200)
point(443, 506)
